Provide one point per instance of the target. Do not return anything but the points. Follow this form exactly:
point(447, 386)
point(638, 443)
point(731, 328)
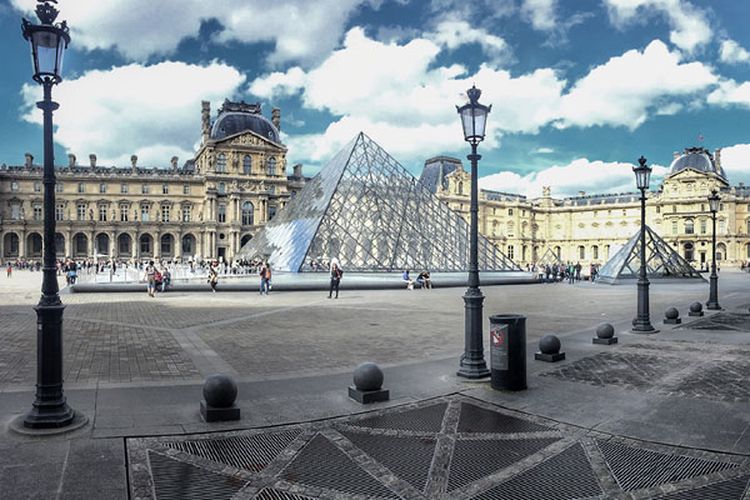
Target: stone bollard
point(672, 316)
point(696, 309)
point(549, 349)
point(368, 383)
point(219, 395)
point(605, 334)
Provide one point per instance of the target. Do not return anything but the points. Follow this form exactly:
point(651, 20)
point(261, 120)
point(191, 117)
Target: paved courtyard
point(134, 365)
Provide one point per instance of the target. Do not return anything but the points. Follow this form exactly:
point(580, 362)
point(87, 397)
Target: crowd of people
point(558, 272)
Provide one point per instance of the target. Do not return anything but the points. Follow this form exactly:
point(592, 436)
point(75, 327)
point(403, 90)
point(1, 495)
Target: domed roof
point(235, 118)
point(699, 159)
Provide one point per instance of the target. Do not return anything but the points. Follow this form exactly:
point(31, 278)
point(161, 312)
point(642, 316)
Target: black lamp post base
point(475, 370)
point(644, 329)
point(18, 425)
point(49, 417)
point(713, 306)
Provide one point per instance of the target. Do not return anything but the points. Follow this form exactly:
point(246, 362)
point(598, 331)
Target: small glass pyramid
point(662, 261)
point(370, 213)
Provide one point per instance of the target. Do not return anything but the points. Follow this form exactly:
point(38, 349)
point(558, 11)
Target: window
point(658, 209)
point(144, 189)
point(703, 207)
point(58, 187)
point(748, 226)
point(15, 211)
point(221, 163)
point(102, 213)
point(674, 209)
point(60, 211)
point(510, 252)
point(595, 252)
point(247, 164)
point(722, 226)
point(271, 166)
point(271, 211)
point(124, 212)
point(674, 227)
point(222, 209)
point(186, 189)
point(248, 212)
point(510, 211)
point(186, 213)
point(703, 226)
point(102, 188)
point(81, 187)
point(144, 213)
point(222, 188)
point(37, 211)
point(460, 188)
point(37, 187)
point(124, 188)
point(165, 209)
point(164, 189)
point(689, 227)
point(581, 252)
point(14, 186)
point(81, 211)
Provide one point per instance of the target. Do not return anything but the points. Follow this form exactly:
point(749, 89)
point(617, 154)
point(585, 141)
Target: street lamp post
point(473, 366)
point(713, 295)
point(50, 410)
point(642, 322)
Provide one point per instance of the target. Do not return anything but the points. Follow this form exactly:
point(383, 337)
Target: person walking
point(150, 277)
point(265, 278)
point(213, 277)
point(336, 274)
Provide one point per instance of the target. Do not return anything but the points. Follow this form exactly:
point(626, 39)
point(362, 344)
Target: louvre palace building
point(211, 205)
point(590, 228)
point(208, 206)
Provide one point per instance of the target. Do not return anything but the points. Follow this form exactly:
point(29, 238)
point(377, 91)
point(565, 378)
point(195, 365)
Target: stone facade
point(208, 207)
point(590, 228)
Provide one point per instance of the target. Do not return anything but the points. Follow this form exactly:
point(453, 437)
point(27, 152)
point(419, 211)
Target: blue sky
point(579, 88)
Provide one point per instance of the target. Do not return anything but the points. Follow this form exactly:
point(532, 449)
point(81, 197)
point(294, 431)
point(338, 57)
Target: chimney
point(71, 160)
point(717, 158)
point(29, 160)
point(676, 155)
point(205, 121)
point(297, 170)
point(92, 159)
point(581, 193)
point(173, 161)
point(276, 118)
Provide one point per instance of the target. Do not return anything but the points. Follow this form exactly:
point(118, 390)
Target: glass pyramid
point(549, 257)
point(661, 261)
point(370, 213)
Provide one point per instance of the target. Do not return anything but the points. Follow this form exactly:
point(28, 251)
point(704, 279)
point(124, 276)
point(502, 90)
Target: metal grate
point(408, 458)
point(722, 321)
point(636, 468)
point(429, 419)
point(732, 489)
point(251, 453)
point(565, 476)
point(321, 464)
point(175, 480)
point(478, 458)
point(475, 419)
point(272, 494)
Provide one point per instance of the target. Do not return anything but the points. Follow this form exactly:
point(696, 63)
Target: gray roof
point(234, 122)
point(699, 159)
point(434, 172)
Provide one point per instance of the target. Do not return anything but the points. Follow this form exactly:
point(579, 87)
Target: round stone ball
point(673, 313)
point(368, 377)
point(605, 331)
point(696, 307)
point(220, 391)
point(549, 344)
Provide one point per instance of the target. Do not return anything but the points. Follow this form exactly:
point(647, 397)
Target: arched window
point(247, 165)
point(748, 226)
point(721, 251)
point(248, 214)
point(166, 246)
point(689, 227)
point(581, 252)
point(460, 188)
point(11, 245)
point(221, 163)
point(595, 252)
point(188, 245)
point(145, 243)
point(271, 166)
point(747, 251)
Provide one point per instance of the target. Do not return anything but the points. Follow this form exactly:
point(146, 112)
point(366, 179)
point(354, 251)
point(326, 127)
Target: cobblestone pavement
point(452, 447)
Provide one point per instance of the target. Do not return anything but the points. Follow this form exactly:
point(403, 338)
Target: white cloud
point(543, 151)
point(580, 174)
point(623, 91)
point(152, 111)
point(690, 28)
point(735, 160)
point(540, 13)
point(454, 34)
point(730, 93)
point(300, 30)
point(731, 52)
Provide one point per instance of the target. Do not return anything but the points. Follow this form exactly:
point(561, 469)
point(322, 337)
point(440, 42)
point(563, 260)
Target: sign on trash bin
point(508, 352)
point(499, 346)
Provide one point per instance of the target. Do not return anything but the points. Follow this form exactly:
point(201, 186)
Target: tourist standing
point(213, 277)
point(336, 274)
point(265, 278)
point(9, 271)
point(150, 277)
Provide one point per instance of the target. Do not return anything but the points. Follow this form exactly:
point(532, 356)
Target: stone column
point(22, 244)
point(178, 245)
point(134, 245)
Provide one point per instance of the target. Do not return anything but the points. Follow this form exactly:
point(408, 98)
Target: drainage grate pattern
point(272, 494)
point(252, 453)
point(635, 468)
point(478, 458)
point(732, 489)
point(429, 419)
point(407, 458)
point(722, 321)
point(565, 476)
point(475, 420)
point(321, 464)
point(175, 480)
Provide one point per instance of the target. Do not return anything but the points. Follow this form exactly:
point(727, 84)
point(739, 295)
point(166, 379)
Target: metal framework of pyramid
point(370, 213)
point(662, 261)
point(549, 257)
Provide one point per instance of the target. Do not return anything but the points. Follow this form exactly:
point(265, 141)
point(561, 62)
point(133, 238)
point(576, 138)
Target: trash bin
point(508, 352)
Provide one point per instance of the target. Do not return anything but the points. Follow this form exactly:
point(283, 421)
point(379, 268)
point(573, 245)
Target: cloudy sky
point(579, 88)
